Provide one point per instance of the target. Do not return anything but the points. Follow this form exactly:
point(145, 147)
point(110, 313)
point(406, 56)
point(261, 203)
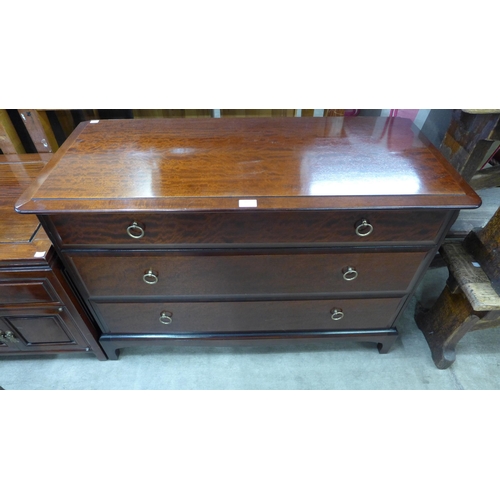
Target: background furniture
point(472, 139)
point(39, 312)
point(221, 231)
point(44, 130)
point(470, 299)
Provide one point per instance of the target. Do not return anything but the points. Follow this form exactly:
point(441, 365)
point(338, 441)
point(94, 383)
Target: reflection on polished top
point(21, 236)
point(212, 164)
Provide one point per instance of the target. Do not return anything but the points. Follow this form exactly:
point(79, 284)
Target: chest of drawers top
point(197, 165)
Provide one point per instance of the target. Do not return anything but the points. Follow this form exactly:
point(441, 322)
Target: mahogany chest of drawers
point(39, 312)
point(227, 231)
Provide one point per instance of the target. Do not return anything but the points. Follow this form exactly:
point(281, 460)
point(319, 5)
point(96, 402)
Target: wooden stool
point(471, 140)
point(471, 297)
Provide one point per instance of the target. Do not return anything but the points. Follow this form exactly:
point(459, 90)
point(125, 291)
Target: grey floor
point(341, 365)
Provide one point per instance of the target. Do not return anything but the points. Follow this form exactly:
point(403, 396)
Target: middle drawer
point(224, 273)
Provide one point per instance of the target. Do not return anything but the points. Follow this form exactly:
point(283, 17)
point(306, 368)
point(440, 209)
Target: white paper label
point(247, 203)
point(94, 121)
point(39, 255)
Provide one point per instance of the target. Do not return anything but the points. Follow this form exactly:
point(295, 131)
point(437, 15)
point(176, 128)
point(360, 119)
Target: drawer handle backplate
point(150, 277)
point(8, 336)
point(135, 231)
point(337, 314)
point(349, 273)
point(363, 228)
point(166, 317)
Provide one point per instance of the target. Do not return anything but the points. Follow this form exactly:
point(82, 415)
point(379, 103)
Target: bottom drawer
point(272, 316)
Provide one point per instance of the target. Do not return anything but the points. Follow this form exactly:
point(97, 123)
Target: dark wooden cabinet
point(40, 329)
point(246, 230)
point(39, 311)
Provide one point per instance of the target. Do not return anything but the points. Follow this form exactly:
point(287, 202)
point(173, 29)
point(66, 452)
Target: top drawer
point(153, 229)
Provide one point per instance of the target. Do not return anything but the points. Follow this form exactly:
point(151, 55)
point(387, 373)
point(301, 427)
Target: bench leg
point(444, 324)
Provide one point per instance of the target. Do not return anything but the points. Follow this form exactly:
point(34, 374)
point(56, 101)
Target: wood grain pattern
point(281, 162)
point(470, 278)
point(470, 300)
point(449, 319)
point(272, 269)
point(487, 178)
point(17, 232)
point(36, 302)
point(470, 141)
point(490, 236)
point(248, 227)
point(265, 316)
point(484, 245)
point(245, 273)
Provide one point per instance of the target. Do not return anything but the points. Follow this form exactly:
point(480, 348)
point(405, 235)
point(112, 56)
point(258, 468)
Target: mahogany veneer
point(242, 230)
point(212, 273)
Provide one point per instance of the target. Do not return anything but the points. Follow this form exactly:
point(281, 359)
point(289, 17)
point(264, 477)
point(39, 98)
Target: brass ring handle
point(150, 277)
point(337, 314)
point(363, 228)
point(349, 273)
point(8, 335)
point(135, 231)
point(166, 318)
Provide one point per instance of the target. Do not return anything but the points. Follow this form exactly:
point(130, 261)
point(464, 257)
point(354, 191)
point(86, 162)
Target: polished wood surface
point(38, 330)
point(178, 274)
point(282, 163)
point(41, 310)
point(249, 224)
point(284, 316)
point(26, 292)
point(21, 237)
point(384, 339)
point(11, 231)
point(37, 305)
point(253, 227)
point(47, 329)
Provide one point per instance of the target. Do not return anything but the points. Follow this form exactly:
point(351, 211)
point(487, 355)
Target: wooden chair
point(471, 297)
point(472, 138)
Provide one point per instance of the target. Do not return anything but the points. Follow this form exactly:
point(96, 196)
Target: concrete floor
point(340, 365)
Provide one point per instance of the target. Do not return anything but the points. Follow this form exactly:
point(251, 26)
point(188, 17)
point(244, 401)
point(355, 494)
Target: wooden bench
point(471, 297)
